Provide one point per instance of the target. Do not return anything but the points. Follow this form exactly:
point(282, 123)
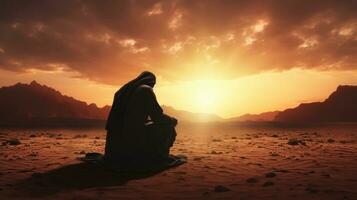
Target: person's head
point(122, 97)
point(147, 78)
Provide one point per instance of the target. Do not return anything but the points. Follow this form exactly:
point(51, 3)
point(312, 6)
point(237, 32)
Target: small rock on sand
point(311, 189)
point(330, 140)
point(13, 141)
point(295, 141)
point(51, 135)
point(251, 180)
point(197, 158)
point(80, 136)
point(344, 142)
point(274, 154)
point(215, 152)
point(221, 188)
point(268, 183)
point(270, 175)
point(33, 154)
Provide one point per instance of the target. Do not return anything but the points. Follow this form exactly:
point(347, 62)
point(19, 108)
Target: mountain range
point(262, 117)
point(39, 105)
point(35, 104)
point(340, 106)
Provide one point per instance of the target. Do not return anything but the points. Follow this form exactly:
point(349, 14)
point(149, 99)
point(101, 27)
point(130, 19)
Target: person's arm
point(154, 109)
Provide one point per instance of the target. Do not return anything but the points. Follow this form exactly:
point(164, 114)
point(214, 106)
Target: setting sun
point(205, 99)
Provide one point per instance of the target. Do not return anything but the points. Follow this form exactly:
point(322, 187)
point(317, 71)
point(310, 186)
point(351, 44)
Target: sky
point(227, 57)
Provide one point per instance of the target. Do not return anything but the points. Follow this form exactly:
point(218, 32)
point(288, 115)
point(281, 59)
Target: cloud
point(109, 41)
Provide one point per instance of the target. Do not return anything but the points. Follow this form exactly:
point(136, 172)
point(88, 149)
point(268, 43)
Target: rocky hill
point(35, 103)
point(340, 106)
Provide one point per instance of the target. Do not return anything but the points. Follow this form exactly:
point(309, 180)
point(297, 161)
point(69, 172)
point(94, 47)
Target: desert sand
point(224, 162)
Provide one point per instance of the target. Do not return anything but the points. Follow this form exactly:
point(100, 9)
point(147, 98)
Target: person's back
point(142, 105)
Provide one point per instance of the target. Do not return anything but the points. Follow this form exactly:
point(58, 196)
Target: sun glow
point(205, 99)
point(252, 94)
point(204, 96)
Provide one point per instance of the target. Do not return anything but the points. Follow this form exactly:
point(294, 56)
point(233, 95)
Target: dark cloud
point(107, 41)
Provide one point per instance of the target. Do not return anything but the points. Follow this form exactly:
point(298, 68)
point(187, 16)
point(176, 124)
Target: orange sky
point(267, 91)
point(224, 57)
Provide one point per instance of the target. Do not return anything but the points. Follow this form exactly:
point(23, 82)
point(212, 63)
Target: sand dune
point(223, 163)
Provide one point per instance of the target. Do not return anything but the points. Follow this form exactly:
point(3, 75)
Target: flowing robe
point(139, 138)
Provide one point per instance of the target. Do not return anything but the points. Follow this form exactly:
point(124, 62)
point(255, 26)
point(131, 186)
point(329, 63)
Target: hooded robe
point(131, 136)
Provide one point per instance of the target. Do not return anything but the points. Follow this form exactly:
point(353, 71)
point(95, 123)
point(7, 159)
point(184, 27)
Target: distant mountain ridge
point(40, 105)
point(36, 104)
point(26, 103)
point(183, 115)
point(262, 117)
point(340, 106)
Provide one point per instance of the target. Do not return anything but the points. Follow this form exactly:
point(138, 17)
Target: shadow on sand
point(81, 176)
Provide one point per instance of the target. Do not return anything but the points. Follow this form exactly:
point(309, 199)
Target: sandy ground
point(223, 163)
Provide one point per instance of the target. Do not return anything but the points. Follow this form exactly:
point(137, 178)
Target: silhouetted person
point(137, 129)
